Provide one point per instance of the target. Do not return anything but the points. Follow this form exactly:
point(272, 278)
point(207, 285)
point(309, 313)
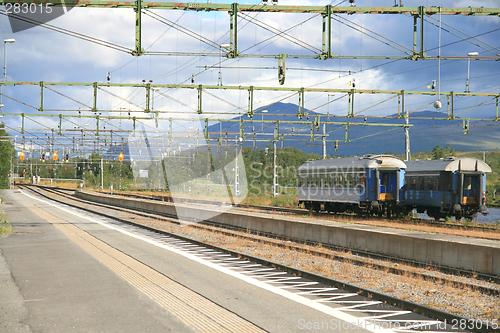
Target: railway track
point(394, 310)
point(375, 261)
point(300, 211)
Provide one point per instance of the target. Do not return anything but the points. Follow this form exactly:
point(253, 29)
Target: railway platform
point(68, 271)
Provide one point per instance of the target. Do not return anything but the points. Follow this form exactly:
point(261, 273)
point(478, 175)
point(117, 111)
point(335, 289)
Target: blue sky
point(40, 54)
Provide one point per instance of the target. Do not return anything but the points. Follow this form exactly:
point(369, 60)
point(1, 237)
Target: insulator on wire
point(466, 126)
point(281, 69)
point(316, 122)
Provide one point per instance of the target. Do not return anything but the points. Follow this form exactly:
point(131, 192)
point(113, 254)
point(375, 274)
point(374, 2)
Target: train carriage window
point(362, 179)
point(412, 183)
point(429, 183)
point(445, 181)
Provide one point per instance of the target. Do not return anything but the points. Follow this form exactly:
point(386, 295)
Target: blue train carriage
point(363, 185)
point(448, 187)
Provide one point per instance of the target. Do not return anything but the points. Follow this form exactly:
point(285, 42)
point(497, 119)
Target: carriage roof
point(450, 164)
point(364, 162)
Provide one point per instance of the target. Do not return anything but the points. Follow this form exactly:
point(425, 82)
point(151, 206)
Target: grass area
point(5, 227)
point(267, 199)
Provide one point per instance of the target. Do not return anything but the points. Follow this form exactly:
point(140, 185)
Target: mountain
point(425, 133)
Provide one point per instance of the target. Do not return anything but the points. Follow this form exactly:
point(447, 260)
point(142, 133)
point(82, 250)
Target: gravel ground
point(467, 302)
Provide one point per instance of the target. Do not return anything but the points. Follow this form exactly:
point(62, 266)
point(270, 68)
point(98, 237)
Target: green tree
point(6, 152)
point(437, 152)
point(442, 152)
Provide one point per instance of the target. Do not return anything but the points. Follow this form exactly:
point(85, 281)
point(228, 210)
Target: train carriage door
point(471, 189)
point(388, 185)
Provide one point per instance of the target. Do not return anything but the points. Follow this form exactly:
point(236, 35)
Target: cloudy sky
point(43, 55)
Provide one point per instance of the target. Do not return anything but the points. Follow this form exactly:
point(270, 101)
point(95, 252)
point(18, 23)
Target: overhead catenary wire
point(182, 29)
point(261, 42)
point(119, 67)
point(215, 65)
point(372, 34)
point(460, 34)
point(282, 34)
point(64, 31)
point(288, 68)
point(68, 97)
point(464, 39)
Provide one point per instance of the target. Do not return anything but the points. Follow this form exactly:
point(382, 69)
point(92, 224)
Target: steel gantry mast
point(143, 111)
point(234, 10)
point(148, 87)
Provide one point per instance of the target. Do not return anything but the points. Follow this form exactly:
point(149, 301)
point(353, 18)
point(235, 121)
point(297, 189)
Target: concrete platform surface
point(54, 284)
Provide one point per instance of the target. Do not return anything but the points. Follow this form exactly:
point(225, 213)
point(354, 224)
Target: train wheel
point(459, 212)
point(389, 212)
point(434, 213)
